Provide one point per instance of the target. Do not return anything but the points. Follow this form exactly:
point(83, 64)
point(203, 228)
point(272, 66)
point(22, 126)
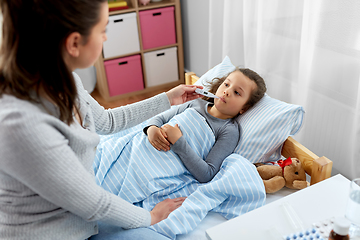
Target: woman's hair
point(256, 94)
point(32, 46)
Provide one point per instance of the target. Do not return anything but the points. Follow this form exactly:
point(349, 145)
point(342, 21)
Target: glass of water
point(353, 208)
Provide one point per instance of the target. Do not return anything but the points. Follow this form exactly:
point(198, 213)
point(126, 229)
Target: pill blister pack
point(319, 231)
point(308, 234)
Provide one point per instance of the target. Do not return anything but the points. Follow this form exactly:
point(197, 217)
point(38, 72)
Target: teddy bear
point(289, 173)
point(144, 2)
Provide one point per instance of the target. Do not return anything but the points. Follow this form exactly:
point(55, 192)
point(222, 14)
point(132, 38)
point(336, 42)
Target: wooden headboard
point(319, 168)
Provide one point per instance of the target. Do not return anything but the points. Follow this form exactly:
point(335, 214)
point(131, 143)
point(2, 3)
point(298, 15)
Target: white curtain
point(308, 52)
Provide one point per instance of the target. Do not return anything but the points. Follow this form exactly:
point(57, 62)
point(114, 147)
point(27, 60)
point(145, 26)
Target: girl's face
point(234, 93)
point(90, 51)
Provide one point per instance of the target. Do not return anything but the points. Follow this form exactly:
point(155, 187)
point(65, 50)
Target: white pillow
point(265, 126)
point(220, 70)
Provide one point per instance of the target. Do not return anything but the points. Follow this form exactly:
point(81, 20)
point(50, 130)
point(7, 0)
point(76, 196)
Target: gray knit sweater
point(47, 185)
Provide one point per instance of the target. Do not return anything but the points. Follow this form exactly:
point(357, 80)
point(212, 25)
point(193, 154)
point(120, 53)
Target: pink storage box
point(124, 75)
point(157, 27)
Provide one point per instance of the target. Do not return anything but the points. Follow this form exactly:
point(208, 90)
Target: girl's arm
point(166, 116)
point(202, 170)
point(156, 135)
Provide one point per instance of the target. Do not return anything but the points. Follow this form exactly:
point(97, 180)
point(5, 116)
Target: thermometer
point(205, 93)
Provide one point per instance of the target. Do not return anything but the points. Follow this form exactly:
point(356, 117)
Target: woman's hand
point(164, 208)
point(173, 133)
point(182, 93)
point(157, 138)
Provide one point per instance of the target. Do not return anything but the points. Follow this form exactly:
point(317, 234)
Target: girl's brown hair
point(256, 94)
point(33, 38)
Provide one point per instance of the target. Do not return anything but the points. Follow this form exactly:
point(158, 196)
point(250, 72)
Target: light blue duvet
point(127, 165)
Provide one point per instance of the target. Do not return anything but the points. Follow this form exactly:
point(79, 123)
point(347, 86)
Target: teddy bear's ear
point(296, 162)
point(294, 172)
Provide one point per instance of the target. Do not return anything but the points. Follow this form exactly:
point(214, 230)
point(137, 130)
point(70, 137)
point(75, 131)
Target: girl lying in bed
point(128, 165)
point(237, 92)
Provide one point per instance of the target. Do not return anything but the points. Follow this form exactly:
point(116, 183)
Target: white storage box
point(161, 66)
point(122, 35)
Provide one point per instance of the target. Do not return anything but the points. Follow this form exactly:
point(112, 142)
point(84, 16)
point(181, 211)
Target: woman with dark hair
point(49, 125)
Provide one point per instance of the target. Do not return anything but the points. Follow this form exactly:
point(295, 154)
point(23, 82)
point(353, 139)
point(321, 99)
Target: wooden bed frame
point(319, 168)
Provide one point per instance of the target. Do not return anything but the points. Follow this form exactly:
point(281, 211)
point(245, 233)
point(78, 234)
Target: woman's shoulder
point(20, 111)
point(10, 102)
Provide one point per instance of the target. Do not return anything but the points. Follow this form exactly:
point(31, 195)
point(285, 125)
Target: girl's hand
point(157, 138)
point(173, 133)
point(164, 208)
point(182, 93)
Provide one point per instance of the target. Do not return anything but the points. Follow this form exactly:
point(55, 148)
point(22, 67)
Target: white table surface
point(316, 203)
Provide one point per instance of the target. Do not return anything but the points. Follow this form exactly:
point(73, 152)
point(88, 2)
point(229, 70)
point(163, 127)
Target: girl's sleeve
point(165, 117)
point(202, 170)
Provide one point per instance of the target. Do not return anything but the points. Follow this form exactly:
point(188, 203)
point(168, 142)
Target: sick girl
point(237, 92)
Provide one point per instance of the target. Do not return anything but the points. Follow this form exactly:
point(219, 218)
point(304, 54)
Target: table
point(316, 203)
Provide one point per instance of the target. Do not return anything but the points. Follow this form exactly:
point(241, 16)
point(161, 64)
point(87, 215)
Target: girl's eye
point(226, 84)
point(237, 93)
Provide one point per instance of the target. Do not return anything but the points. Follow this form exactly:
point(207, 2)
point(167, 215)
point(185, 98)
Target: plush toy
point(144, 2)
point(288, 173)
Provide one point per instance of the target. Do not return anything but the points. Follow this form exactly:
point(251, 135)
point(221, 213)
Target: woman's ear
point(72, 44)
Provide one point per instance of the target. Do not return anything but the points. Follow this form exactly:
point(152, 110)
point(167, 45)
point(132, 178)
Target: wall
point(195, 17)
point(88, 77)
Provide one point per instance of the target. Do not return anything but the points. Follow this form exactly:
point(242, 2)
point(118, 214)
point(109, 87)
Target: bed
point(237, 188)
point(318, 168)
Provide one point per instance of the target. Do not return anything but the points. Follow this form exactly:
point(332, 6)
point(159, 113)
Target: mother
point(49, 124)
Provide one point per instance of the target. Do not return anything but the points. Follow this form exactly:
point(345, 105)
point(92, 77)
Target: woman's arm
point(39, 156)
point(120, 118)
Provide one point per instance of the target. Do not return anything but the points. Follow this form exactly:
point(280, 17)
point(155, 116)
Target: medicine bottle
point(340, 230)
